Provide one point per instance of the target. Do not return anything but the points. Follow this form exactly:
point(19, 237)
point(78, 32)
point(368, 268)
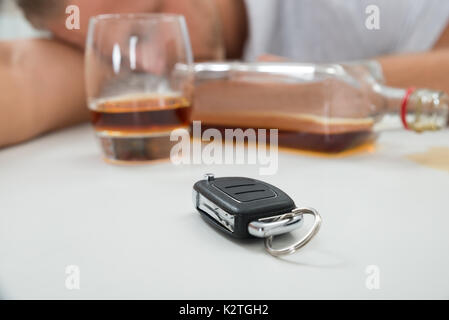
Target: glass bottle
point(319, 107)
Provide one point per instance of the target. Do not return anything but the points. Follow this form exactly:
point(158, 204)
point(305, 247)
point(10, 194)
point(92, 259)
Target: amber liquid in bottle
point(326, 143)
point(137, 128)
point(322, 143)
point(326, 108)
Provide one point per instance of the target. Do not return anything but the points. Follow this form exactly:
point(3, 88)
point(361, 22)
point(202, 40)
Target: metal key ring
point(303, 241)
point(273, 226)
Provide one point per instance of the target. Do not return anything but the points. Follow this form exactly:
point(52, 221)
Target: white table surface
point(134, 233)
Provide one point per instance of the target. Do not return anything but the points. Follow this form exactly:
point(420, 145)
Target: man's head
point(51, 15)
point(38, 11)
point(203, 19)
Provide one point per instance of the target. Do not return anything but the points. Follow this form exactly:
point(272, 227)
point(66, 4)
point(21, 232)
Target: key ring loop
point(300, 243)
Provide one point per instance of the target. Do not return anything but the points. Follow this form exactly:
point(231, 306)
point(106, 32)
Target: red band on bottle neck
point(404, 105)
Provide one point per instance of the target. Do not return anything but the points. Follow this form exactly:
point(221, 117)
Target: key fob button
point(244, 190)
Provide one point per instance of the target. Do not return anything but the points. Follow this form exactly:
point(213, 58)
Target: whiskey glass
point(135, 94)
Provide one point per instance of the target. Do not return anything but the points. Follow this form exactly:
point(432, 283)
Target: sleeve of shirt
point(262, 16)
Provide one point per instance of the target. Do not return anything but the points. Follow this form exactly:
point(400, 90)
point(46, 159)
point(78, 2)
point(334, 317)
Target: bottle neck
point(419, 109)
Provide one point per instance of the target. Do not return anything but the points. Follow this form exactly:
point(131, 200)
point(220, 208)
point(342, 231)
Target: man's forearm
point(422, 70)
point(42, 88)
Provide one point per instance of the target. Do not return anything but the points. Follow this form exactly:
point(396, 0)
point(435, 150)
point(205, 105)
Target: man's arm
point(423, 70)
point(42, 88)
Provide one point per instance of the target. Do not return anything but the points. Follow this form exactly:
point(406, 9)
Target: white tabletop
point(133, 232)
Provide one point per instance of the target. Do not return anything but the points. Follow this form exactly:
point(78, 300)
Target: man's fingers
point(271, 58)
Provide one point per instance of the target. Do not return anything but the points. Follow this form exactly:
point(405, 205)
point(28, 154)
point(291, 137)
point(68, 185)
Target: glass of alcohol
point(135, 93)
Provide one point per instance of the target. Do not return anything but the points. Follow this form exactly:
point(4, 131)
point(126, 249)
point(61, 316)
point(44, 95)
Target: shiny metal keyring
point(303, 241)
point(277, 225)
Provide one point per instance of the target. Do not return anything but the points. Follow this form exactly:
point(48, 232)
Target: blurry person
point(42, 80)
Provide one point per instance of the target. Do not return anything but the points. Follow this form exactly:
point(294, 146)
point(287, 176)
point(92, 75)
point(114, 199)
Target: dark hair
point(39, 8)
point(37, 11)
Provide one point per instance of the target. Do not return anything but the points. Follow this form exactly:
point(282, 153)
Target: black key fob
point(245, 207)
point(232, 203)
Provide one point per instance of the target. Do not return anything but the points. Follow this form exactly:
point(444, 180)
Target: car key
point(245, 208)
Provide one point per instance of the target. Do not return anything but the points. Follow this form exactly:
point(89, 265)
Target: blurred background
point(13, 24)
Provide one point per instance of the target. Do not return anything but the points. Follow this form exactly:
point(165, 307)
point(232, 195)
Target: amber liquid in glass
point(137, 128)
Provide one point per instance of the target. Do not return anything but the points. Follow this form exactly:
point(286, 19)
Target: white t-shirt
point(335, 30)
